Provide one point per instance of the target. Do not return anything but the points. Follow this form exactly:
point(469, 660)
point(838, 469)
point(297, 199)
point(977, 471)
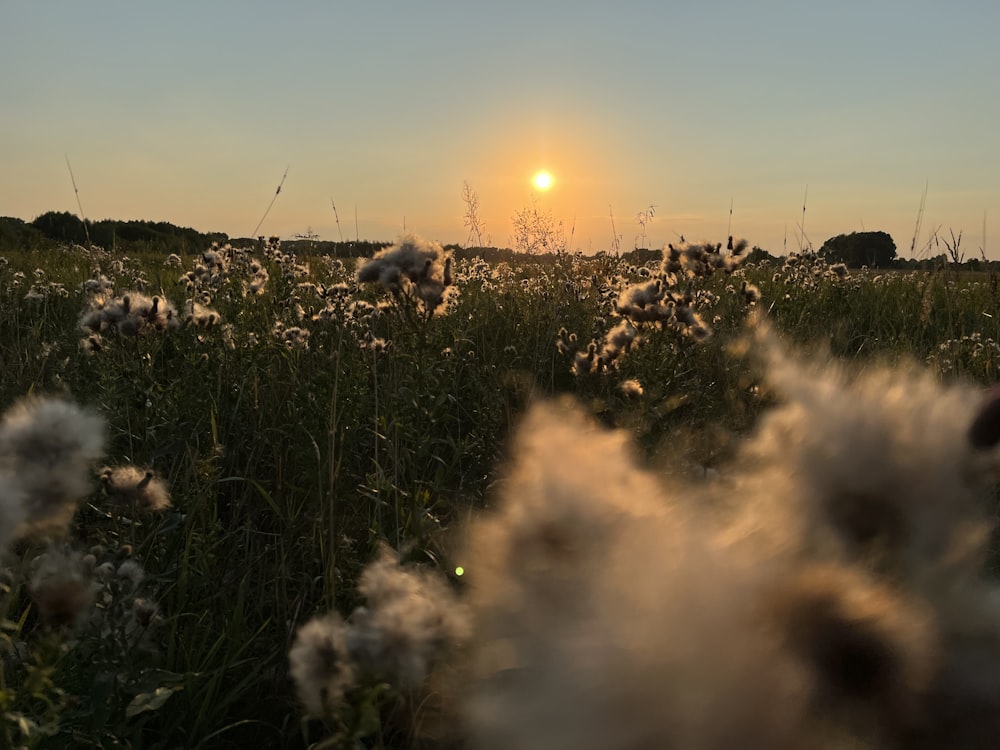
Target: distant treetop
point(872, 249)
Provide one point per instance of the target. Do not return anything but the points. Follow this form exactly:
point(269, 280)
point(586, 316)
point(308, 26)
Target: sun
point(542, 180)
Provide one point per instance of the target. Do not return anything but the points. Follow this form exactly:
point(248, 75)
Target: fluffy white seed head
point(48, 445)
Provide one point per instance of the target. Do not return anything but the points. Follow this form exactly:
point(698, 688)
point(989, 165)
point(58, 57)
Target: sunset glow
point(586, 124)
point(542, 180)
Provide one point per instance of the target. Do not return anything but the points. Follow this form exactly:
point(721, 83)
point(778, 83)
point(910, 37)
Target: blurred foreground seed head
point(878, 467)
point(410, 621)
point(47, 448)
point(61, 586)
point(828, 591)
point(320, 664)
point(606, 614)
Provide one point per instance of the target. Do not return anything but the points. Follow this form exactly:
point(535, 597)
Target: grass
point(288, 467)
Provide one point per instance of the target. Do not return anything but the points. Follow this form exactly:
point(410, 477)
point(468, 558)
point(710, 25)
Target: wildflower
point(585, 362)
point(375, 344)
point(320, 664)
point(564, 342)
point(201, 315)
point(99, 284)
point(839, 270)
point(258, 285)
point(132, 486)
point(92, 344)
point(691, 323)
point(631, 388)
point(337, 291)
point(618, 341)
point(750, 292)
point(360, 311)
point(295, 338)
point(644, 303)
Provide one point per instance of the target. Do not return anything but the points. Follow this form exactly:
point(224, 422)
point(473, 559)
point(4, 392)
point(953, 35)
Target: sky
point(782, 122)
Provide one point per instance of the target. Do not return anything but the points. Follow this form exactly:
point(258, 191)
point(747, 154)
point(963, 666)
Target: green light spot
point(460, 571)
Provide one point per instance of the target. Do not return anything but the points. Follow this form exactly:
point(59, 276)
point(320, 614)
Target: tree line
point(62, 227)
point(857, 249)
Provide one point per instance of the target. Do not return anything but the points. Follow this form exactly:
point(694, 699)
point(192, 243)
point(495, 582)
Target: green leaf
point(153, 701)
point(149, 680)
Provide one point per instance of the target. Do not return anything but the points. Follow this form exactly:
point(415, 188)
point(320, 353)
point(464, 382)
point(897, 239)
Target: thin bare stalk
point(337, 217)
point(269, 205)
point(79, 205)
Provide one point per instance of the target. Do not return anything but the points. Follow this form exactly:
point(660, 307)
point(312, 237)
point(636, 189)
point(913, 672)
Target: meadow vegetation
point(256, 498)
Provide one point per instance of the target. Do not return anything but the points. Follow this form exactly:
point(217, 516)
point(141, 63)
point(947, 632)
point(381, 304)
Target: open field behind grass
point(300, 419)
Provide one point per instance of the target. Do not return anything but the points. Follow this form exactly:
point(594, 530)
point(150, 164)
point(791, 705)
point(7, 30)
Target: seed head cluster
point(631, 388)
point(807, 269)
point(132, 314)
point(412, 268)
point(212, 270)
point(662, 302)
point(48, 447)
point(122, 609)
point(668, 297)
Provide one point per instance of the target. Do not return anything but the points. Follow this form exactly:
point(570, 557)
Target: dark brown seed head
point(984, 432)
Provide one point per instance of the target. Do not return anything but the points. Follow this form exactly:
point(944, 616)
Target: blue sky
point(190, 112)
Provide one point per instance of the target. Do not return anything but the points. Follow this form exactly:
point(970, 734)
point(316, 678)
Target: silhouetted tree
point(872, 249)
point(15, 234)
point(759, 255)
point(61, 226)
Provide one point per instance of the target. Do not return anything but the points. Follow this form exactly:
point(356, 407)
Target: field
point(271, 425)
